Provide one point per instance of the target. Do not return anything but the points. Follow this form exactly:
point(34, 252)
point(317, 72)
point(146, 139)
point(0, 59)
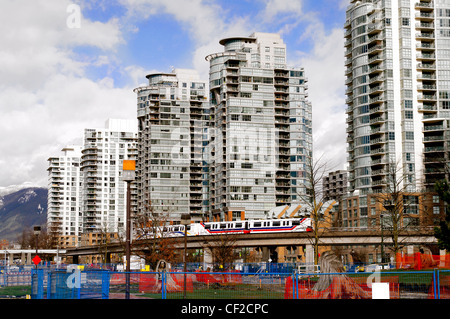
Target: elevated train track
point(329, 238)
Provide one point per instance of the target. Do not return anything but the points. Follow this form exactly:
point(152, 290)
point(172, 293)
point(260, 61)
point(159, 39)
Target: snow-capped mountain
point(15, 188)
point(21, 208)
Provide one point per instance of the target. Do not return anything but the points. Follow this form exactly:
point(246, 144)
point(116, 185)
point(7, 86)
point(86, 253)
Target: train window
point(222, 226)
point(276, 223)
point(257, 224)
point(189, 227)
point(238, 225)
point(296, 222)
point(208, 226)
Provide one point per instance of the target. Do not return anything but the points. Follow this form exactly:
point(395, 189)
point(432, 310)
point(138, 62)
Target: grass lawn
point(224, 291)
point(18, 291)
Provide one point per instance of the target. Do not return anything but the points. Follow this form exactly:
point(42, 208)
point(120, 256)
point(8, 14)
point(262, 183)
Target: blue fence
point(106, 284)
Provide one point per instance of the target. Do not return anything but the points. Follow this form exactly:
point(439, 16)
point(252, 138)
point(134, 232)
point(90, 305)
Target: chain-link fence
point(106, 284)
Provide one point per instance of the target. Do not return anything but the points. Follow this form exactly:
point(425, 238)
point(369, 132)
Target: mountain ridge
point(21, 208)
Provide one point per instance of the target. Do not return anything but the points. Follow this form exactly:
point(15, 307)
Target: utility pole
point(129, 175)
point(185, 220)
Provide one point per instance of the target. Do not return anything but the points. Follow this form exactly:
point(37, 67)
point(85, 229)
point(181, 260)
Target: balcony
point(377, 120)
point(425, 26)
point(377, 99)
point(426, 57)
point(426, 87)
point(376, 48)
point(379, 78)
point(426, 97)
point(433, 138)
point(430, 149)
point(426, 76)
point(425, 6)
point(377, 151)
point(425, 45)
point(426, 108)
point(425, 36)
point(426, 66)
point(379, 140)
point(376, 58)
point(378, 109)
point(433, 128)
point(376, 68)
point(425, 16)
point(374, 28)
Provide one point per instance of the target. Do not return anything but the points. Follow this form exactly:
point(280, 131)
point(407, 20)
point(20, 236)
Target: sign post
point(129, 175)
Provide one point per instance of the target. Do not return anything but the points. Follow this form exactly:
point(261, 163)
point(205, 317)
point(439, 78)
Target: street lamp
point(382, 244)
point(185, 220)
point(37, 231)
point(129, 174)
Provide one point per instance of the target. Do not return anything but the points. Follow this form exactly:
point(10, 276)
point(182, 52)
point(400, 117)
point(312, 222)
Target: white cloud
point(324, 67)
point(276, 7)
point(205, 21)
point(45, 99)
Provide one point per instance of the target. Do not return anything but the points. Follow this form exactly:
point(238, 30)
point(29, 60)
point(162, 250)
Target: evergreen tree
point(442, 233)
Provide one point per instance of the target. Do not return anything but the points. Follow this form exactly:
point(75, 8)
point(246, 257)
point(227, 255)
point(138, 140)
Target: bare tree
point(152, 243)
point(399, 205)
point(314, 199)
point(106, 238)
point(222, 248)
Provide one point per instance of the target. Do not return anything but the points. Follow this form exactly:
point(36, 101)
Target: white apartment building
point(64, 216)
point(172, 175)
point(104, 192)
point(398, 85)
point(86, 190)
point(260, 131)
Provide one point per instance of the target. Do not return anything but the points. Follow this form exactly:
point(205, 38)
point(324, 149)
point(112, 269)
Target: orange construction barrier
point(151, 283)
point(419, 261)
point(341, 287)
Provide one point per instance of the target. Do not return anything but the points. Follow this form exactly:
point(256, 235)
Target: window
point(408, 114)
point(436, 210)
point(409, 135)
point(435, 199)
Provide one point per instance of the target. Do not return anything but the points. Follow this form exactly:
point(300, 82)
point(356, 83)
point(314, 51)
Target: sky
point(67, 65)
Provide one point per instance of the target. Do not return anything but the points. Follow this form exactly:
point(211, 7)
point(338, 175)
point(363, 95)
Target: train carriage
point(257, 226)
point(236, 227)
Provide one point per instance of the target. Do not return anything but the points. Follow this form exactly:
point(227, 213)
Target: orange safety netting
point(419, 261)
point(341, 287)
point(151, 283)
point(210, 278)
point(120, 279)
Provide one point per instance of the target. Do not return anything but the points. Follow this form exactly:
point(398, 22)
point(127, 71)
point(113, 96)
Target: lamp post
point(185, 220)
point(129, 174)
point(382, 243)
point(37, 231)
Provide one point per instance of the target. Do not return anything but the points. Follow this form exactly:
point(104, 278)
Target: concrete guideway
point(26, 255)
point(328, 238)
